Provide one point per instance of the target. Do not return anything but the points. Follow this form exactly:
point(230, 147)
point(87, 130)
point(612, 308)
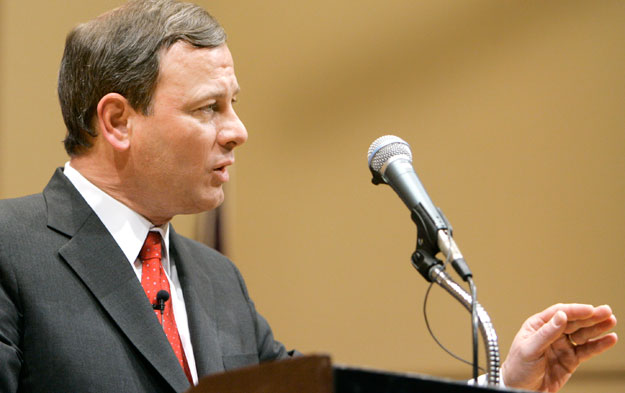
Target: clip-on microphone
point(161, 297)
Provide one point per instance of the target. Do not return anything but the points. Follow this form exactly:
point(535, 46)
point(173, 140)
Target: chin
point(211, 202)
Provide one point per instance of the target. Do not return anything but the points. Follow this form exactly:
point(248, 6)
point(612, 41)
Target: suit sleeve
point(10, 324)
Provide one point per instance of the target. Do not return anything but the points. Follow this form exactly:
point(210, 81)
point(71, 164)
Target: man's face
point(180, 151)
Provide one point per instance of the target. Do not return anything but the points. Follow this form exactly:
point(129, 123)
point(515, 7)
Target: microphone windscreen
point(162, 295)
point(385, 147)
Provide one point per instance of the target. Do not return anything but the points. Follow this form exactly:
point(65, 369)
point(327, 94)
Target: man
point(97, 291)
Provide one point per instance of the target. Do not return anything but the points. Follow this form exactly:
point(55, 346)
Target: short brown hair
point(119, 52)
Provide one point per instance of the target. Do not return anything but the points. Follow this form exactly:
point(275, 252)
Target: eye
point(209, 108)
point(215, 106)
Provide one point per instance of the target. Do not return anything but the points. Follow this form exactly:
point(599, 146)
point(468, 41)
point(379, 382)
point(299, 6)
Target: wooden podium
point(315, 374)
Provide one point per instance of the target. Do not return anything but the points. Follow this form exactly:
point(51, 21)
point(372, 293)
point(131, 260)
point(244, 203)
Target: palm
point(559, 363)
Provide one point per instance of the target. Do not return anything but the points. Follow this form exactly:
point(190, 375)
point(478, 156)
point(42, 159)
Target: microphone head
point(162, 295)
point(384, 148)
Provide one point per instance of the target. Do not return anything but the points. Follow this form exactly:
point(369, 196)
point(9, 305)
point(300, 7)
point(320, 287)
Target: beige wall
point(514, 111)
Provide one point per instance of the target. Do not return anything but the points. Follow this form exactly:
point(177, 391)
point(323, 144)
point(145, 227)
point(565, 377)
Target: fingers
point(582, 322)
point(573, 312)
point(596, 346)
point(547, 334)
point(581, 336)
point(599, 314)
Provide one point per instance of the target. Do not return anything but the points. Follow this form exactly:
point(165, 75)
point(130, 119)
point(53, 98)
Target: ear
point(113, 113)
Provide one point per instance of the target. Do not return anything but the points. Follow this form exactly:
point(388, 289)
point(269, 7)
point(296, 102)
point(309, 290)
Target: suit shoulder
point(16, 204)
point(202, 252)
point(23, 211)
point(200, 248)
point(205, 262)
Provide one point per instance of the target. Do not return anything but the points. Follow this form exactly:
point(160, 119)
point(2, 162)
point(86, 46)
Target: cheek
point(193, 150)
point(192, 154)
point(181, 146)
point(198, 139)
point(150, 140)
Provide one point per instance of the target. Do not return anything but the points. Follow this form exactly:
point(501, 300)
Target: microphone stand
point(432, 270)
point(429, 230)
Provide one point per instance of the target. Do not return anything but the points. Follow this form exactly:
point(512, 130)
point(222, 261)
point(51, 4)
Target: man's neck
point(109, 178)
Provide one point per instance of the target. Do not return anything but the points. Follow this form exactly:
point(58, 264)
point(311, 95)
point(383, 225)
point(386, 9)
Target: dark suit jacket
point(74, 317)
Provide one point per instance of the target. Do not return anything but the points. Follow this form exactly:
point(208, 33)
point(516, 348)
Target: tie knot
point(151, 247)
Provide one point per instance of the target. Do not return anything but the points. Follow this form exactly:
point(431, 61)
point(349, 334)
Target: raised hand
point(551, 344)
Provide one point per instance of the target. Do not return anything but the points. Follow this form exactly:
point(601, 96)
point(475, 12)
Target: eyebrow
point(217, 94)
point(210, 94)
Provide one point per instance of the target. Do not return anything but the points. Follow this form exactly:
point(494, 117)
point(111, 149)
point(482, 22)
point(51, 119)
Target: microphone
point(390, 161)
point(161, 297)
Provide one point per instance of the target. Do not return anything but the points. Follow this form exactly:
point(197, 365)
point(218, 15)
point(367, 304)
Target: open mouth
point(223, 167)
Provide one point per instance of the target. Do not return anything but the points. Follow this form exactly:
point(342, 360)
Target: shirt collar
point(128, 228)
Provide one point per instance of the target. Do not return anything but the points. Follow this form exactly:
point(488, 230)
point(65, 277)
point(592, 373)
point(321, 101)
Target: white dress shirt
point(130, 229)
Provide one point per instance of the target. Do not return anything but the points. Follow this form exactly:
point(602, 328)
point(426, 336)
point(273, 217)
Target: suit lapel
point(95, 257)
point(200, 304)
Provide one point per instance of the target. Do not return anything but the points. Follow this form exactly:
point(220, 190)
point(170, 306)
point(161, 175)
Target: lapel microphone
point(161, 297)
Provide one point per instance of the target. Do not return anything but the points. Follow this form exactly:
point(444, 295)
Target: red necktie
point(153, 280)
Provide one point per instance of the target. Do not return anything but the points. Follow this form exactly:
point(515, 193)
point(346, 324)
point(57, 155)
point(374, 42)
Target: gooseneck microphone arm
point(487, 330)
point(423, 261)
point(390, 162)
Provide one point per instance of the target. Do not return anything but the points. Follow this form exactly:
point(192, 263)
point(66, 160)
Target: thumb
point(548, 333)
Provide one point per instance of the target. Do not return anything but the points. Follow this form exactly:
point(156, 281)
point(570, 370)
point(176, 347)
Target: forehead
point(186, 71)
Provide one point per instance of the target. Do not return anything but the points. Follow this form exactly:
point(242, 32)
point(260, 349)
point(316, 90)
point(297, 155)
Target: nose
point(233, 132)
